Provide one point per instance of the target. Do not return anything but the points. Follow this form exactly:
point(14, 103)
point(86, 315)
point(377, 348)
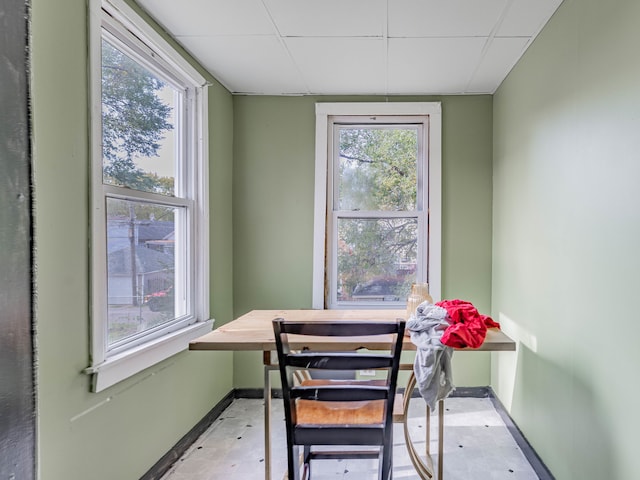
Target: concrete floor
point(477, 446)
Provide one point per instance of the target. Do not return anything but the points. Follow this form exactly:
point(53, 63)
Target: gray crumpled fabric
point(432, 366)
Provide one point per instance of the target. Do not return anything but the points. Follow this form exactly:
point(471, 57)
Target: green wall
point(121, 432)
point(565, 241)
point(273, 188)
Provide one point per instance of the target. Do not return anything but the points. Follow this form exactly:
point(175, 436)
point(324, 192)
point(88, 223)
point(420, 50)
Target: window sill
point(126, 364)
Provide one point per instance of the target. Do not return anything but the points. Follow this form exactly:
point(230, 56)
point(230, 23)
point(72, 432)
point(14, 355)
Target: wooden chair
point(320, 412)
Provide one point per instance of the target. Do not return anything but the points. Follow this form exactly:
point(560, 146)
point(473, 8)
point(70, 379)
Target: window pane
point(144, 276)
point(376, 258)
point(377, 168)
point(138, 125)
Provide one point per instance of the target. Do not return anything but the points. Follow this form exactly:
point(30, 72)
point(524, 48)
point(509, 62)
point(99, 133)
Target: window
point(148, 197)
point(377, 203)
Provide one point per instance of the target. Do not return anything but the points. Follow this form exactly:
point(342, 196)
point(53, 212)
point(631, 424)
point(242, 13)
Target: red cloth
point(468, 327)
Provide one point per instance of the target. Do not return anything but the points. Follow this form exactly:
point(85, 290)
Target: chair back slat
point(339, 361)
point(340, 393)
point(345, 328)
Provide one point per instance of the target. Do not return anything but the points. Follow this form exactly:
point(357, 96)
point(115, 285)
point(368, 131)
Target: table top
point(254, 331)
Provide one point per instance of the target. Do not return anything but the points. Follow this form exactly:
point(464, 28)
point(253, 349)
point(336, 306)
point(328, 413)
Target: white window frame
point(324, 255)
point(112, 365)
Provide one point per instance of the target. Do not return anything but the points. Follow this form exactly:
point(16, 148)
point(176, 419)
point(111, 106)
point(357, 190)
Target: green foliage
point(378, 171)
point(139, 211)
point(134, 119)
point(161, 185)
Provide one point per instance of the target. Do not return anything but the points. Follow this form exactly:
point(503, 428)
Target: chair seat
point(398, 405)
point(340, 413)
point(310, 412)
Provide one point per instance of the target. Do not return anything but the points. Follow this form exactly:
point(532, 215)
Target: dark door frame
point(17, 374)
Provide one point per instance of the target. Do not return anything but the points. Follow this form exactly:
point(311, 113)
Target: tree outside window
point(375, 203)
point(139, 126)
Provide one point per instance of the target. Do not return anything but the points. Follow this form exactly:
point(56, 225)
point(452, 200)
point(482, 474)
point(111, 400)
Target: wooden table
point(254, 331)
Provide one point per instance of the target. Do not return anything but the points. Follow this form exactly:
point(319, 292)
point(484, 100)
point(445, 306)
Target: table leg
point(423, 469)
point(428, 431)
point(440, 439)
point(267, 422)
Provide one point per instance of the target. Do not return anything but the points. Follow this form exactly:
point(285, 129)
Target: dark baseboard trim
point(163, 465)
point(530, 454)
point(472, 392)
point(256, 393)
point(461, 392)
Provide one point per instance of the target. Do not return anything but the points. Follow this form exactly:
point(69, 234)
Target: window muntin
point(141, 123)
point(428, 210)
point(377, 167)
point(376, 202)
point(150, 207)
point(144, 129)
point(146, 284)
point(376, 258)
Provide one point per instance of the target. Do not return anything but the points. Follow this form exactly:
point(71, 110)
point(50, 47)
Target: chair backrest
point(339, 390)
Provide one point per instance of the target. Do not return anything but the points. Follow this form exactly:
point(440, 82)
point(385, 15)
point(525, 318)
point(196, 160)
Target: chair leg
point(293, 462)
point(386, 467)
point(306, 459)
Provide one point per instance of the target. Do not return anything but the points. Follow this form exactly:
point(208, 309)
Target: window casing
point(149, 197)
point(377, 203)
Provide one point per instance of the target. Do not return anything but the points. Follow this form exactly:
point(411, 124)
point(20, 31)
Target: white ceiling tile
point(248, 64)
point(340, 65)
point(497, 62)
point(354, 46)
point(527, 17)
point(438, 18)
point(334, 18)
point(210, 17)
point(434, 65)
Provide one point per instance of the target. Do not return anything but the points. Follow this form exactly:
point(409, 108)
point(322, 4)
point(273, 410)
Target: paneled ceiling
point(359, 47)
